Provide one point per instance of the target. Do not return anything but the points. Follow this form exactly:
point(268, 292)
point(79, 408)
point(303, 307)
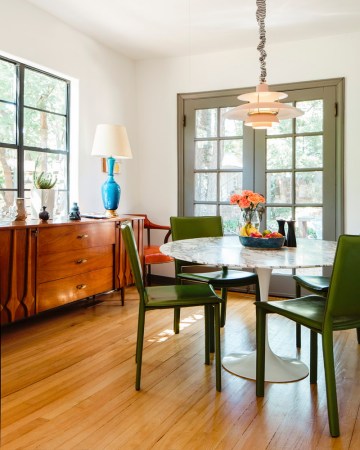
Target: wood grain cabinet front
point(47, 265)
point(74, 262)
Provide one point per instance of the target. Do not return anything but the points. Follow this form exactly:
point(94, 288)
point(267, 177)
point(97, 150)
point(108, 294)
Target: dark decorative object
point(44, 215)
point(291, 238)
point(75, 212)
point(281, 223)
point(264, 243)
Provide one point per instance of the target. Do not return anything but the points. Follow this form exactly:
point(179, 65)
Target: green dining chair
point(316, 285)
point(339, 311)
point(199, 227)
point(177, 296)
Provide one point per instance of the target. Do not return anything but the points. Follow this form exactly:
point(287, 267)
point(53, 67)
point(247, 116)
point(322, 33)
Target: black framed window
point(34, 132)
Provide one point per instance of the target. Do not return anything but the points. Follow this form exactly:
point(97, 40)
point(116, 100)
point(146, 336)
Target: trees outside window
point(34, 132)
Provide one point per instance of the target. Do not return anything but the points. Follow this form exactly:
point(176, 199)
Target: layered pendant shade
point(263, 109)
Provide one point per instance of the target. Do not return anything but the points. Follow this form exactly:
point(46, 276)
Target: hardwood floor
point(68, 383)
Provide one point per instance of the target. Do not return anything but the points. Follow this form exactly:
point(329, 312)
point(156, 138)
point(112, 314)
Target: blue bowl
point(265, 243)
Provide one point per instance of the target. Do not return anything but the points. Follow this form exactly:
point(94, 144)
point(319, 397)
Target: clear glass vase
point(250, 222)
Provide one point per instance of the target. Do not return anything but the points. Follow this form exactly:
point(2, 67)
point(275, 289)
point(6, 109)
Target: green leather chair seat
point(313, 283)
point(180, 295)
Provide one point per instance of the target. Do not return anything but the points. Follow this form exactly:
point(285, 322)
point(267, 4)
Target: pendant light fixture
point(264, 109)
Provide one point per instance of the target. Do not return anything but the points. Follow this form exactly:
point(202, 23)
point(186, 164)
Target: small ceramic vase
point(291, 237)
point(75, 212)
point(44, 215)
point(21, 211)
point(281, 224)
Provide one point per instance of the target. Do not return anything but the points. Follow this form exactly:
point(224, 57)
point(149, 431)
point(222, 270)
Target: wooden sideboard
point(45, 265)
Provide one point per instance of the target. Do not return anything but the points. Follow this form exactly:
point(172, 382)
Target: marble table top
point(228, 251)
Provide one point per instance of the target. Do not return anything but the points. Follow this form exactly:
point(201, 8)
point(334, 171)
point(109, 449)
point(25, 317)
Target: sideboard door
point(17, 273)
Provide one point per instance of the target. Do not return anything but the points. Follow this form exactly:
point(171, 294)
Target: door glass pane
point(205, 155)
point(279, 187)
point(52, 163)
point(230, 127)
point(205, 123)
point(308, 187)
point(231, 215)
point(44, 130)
point(7, 123)
point(7, 81)
point(312, 120)
point(204, 210)
point(8, 168)
point(309, 151)
point(309, 222)
point(205, 187)
point(279, 153)
point(44, 92)
point(231, 154)
point(230, 182)
point(272, 214)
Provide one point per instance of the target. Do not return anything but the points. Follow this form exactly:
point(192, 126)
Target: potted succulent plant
point(43, 194)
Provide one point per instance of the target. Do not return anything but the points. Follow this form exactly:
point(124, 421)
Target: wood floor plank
point(68, 383)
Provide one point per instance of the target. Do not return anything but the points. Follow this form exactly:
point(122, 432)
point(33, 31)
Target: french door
point(298, 167)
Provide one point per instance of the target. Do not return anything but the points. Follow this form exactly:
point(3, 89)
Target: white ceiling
point(162, 28)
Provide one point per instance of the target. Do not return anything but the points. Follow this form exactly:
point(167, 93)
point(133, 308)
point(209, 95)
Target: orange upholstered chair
point(152, 253)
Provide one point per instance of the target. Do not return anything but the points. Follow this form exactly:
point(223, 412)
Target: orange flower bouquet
point(251, 204)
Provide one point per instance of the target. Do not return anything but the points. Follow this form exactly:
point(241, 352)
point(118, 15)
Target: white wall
point(158, 82)
point(106, 91)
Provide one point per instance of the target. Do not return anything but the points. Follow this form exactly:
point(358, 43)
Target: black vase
point(291, 237)
point(281, 223)
point(44, 215)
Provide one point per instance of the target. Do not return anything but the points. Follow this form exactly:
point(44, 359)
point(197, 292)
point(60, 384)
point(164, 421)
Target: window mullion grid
point(20, 129)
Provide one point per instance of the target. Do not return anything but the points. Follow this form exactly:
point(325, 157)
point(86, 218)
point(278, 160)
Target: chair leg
point(217, 347)
point(139, 347)
point(313, 357)
point(257, 292)
point(211, 329)
point(207, 337)
point(260, 351)
point(329, 366)
point(298, 326)
point(223, 307)
point(358, 334)
point(176, 320)
point(147, 277)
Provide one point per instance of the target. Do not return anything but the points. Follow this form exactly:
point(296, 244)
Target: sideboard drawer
point(70, 289)
point(53, 266)
point(75, 237)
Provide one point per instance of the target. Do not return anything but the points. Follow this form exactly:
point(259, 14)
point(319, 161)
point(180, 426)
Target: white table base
point(277, 369)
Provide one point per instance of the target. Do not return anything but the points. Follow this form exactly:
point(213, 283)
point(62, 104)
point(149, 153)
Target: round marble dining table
point(228, 251)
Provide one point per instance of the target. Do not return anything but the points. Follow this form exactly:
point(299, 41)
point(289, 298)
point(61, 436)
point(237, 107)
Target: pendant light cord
point(260, 17)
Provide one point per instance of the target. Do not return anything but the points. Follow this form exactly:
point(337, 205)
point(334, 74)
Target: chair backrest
point(344, 290)
point(133, 255)
point(148, 226)
point(194, 227)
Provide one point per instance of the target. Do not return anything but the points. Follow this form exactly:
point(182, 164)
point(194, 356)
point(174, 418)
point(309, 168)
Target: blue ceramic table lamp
point(111, 142)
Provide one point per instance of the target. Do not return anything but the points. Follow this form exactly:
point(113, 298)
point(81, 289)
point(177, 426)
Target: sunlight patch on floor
point(184, 323)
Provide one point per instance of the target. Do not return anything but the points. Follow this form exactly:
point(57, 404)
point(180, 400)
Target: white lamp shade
point(111, 140)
